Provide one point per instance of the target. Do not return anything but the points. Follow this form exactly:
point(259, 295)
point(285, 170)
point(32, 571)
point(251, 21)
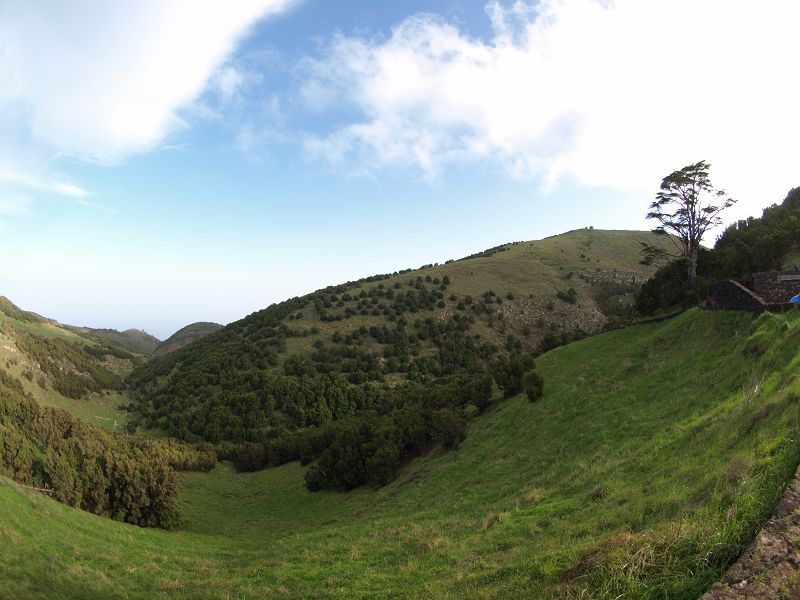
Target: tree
point(687, 206)
point(534, 385)
point(508, 371)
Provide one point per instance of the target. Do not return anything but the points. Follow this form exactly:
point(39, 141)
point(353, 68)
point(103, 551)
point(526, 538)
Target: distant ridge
point(133, 339)
point(185, 336)
point(11, 310)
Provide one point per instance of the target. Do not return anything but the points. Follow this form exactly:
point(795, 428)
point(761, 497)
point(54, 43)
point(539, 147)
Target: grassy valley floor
point(647, 466)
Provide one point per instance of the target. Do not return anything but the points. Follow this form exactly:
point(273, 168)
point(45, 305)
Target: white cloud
point(228, 82)
point(609, 93)
point(101, 80)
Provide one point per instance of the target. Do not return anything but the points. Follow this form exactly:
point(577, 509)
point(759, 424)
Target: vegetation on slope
point(643, 470)
point(134, 340)
point(185, 336)
point(123, 478)
point(65, 368)
point(310, 360)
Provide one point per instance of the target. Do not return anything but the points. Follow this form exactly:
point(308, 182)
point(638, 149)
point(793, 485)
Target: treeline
point(244, 405)
point(403, 422)
point(124, 478)
point(747, 246)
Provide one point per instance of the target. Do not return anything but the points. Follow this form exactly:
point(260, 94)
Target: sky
point(169, 162)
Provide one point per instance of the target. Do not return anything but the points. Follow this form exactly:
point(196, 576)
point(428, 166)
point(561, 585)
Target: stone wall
point(732, 295)
point(776, 286)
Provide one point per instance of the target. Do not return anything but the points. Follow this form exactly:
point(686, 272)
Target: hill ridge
point(389, 328)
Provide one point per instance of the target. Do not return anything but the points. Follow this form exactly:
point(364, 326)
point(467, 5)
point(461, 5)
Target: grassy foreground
point(649, 463)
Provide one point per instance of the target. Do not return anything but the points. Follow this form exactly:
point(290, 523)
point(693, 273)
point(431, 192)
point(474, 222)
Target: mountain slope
point(642, 472)
point(185, 336)
point(411, 325)
point(65, 368)
point(135, 340)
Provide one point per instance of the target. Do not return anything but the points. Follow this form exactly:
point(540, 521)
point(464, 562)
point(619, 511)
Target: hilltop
point(387, 329)
point(644, 470)
point(185, 336)
point(135, 340)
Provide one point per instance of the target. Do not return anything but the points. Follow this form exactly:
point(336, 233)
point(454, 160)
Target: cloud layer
point(608, 93)
point(101, 80)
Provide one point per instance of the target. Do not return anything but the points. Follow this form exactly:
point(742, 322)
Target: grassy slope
point(101, 409)
point(643, 470)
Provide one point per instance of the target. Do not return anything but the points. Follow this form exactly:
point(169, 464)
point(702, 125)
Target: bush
point(570, 296)
point(669, 288)
point(534, 385)
point(508, 371)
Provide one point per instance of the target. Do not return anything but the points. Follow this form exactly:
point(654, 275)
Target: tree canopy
point(687, 206)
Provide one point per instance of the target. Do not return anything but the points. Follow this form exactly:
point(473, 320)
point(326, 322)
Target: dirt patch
point(770, 567)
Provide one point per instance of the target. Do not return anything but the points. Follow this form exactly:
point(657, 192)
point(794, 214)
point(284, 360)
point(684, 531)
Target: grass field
point(650, 461)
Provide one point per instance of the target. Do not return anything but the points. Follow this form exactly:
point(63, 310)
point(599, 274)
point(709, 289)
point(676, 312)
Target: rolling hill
point(185, 336)
point(387, 329)
point(135, 340)
point(644, 470)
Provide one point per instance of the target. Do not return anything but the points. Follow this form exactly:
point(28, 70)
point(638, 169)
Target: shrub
point(570, 296)
point(508, 371)
point(534, 385)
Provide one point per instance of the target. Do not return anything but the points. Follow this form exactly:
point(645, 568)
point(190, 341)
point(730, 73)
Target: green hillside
point(185, 336)
point(413, 325)
point(644, 469)
point(63, 367)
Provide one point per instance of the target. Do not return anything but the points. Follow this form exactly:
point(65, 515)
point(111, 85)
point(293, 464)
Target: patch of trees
point(509, 371)
point(369, 447)
point(245, 404)
point(124, 478)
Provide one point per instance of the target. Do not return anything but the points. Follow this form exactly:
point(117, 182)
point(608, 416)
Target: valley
point(430, 300)
point(610, 460)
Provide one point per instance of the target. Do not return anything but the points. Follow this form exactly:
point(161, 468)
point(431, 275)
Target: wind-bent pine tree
point(687, 206)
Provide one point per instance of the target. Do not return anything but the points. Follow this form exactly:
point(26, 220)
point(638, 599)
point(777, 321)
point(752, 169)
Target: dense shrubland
point(222, 387)
point(125, 478)
point(369, 447)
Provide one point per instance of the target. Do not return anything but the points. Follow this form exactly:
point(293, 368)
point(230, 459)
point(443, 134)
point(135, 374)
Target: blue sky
point(164, 163)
